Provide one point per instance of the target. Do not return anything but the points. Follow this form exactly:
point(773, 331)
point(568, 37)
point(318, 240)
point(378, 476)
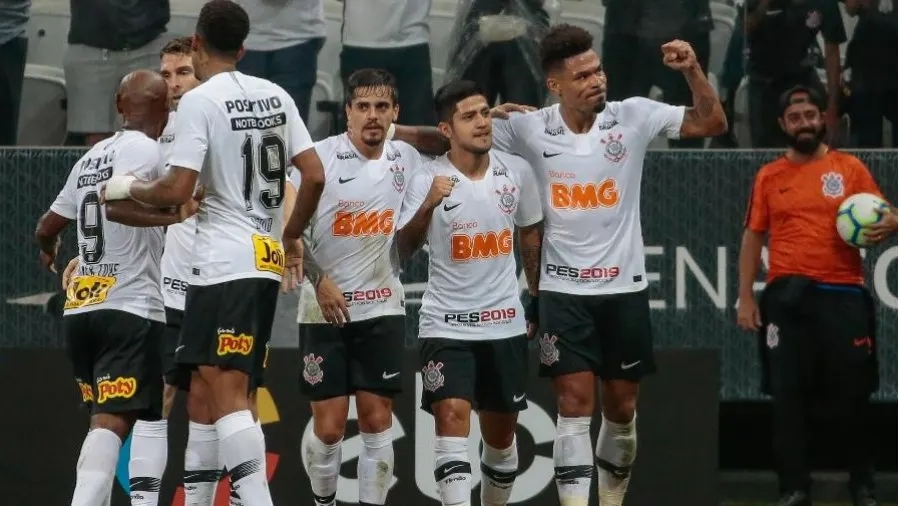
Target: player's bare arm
point(293, 275)
point(311, 187)
point(411, 237)
point(69, 272)
point(47, 234)
point(430, 141)
point(530, 240)
point(748, 317)
point(133, 214)
point(706, 118)
point(173, 189)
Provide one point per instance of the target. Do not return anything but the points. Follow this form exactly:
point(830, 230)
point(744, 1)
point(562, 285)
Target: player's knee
point(619, 400)
point(575, 399)
point(199, 408)
point(452, 419)
point(376, 419)
point(119, 423)
point(329, 431)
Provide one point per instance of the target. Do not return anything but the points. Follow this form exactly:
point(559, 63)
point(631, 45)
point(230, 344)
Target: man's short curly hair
point(562, 42)
point(178, 45)
point(224, 26)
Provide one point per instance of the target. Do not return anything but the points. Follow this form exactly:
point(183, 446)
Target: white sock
point(262, 439)
point(242, 453)
point(452, 470)
point(202, 468)
point(572, 460)
point(149, 451)
point(616, 449)
point(96, 467)
point(323, 461)
point(498, 470)
point(375, 467)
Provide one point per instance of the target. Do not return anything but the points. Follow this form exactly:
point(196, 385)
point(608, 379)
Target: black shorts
point(363, 355)
point(817, 338)
point(170, 336)
point(610, 335)
point(228, 325)
point(492, 375)
point(115, 357)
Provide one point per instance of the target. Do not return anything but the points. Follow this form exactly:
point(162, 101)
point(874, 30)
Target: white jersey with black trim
point(472, 291)
point(590, 188)
point(179, 238)
point(118, 265)
point(240, 133)
point(352, 232)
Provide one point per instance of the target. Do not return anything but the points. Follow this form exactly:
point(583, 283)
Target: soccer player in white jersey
point(238, 136)
point(352, 339)
point(593, 309)
point(472, 330)
point(114, 310)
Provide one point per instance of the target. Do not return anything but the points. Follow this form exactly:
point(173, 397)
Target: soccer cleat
point(612, 481)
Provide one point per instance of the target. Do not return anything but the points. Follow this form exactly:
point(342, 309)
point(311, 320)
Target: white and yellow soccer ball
point(858, 212)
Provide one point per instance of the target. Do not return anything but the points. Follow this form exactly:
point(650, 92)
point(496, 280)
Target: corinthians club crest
point(832, 185)
point(312, 371)
point(549, 352)
point(399, 177)
point(431, 376)
point(507, 200)
point(615, 150)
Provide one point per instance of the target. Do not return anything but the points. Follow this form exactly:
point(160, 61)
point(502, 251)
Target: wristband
point(119, 187)
point(391, 132)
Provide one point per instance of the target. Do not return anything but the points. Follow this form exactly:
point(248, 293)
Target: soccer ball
point(856, 213)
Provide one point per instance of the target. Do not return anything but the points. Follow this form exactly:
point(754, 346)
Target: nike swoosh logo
point(628, 366)
point(342, 180)
point(179, 348)
point(388, 376)
point(451, 470)
point(784, 190)
point(450, 208)
point(517, 398)
point(550, 155)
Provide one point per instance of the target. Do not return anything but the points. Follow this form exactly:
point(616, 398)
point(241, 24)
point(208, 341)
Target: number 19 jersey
point(472, 291)
point(240, 133)
point(352, 232)
point(118, 265)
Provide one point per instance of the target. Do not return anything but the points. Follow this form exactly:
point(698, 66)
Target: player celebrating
point(354, 274)
point(114, 310)
point(237, 135)
point(472, 328)
point(588, 156)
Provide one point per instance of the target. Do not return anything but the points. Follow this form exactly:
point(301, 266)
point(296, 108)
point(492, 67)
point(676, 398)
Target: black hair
point(814, 97)
point(370, 79)
point(562, 42)
point(224, 26)
point(178, 45)
point(450, 94)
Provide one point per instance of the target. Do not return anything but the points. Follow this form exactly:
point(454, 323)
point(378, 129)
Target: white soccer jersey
point(240, 133)
point(472, 290)
point(118, 265)
point(590, 188)
point(352, 233)
point(179, 239)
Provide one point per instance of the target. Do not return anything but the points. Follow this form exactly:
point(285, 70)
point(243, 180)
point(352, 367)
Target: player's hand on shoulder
point(883, 228)
point(441, 187)
point(293, 265)
point(68, 273)
point(502, 111)
point(117, 188)
point(678, 55)
point(190, 208)
point(332, 302)
point(748, 316)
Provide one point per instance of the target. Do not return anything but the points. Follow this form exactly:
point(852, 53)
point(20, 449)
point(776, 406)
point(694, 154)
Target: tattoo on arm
point(311, 267)
point(706, 117)
point(531, 239)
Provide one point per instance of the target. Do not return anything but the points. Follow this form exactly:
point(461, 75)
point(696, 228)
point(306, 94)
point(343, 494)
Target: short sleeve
point(832, 29)
point(530, 208)
point(862, 180)
point(140, 159)
point(757, 210)
point(656, 117)
point(192, 130)
point(504, 138)
point(66, 203)
point(299, 138)
point(415, 196)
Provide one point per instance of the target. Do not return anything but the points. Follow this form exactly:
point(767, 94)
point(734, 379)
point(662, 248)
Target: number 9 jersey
point(240, 133)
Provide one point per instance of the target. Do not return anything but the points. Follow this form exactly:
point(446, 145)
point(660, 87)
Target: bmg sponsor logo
point(583, 274)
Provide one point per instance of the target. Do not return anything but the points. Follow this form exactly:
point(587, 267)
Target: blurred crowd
point(754, 50)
